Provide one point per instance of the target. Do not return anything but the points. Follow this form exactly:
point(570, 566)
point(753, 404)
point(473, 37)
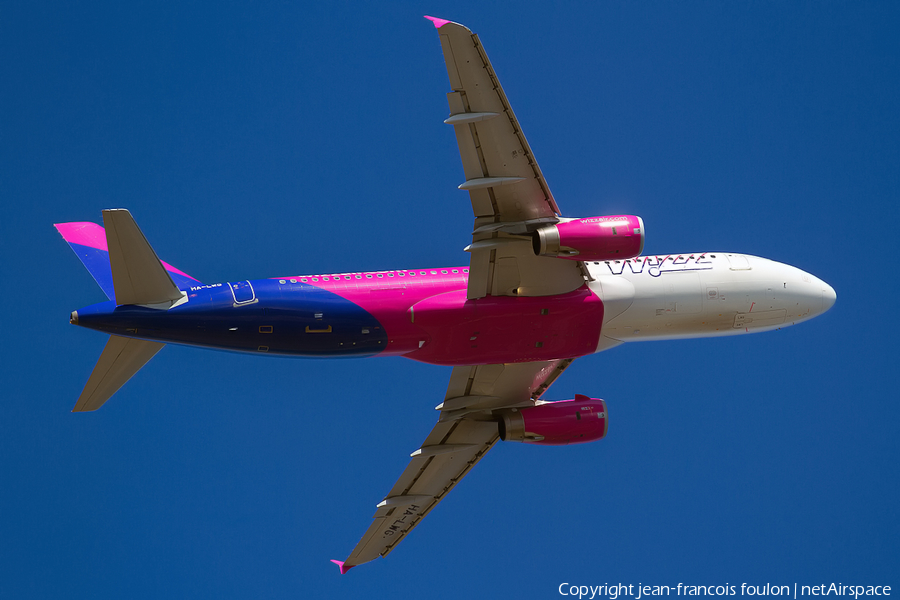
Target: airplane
point(540, 290)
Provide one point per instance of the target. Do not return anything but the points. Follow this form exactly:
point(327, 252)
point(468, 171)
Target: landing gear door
point(243, 293)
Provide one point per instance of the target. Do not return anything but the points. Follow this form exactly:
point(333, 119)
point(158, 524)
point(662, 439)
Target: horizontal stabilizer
point(120, 360)
point(138, 275)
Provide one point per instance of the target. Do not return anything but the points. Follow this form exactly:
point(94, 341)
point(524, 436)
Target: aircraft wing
point(463, 435)
point(510, 197)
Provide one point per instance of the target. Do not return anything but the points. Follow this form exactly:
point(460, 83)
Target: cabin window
point(265, 329)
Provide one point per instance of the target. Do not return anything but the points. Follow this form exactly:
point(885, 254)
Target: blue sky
point(284, 138)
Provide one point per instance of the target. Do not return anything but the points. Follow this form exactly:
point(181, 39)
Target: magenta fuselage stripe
point(172, 269)
point(388, 295)
point(428, 317)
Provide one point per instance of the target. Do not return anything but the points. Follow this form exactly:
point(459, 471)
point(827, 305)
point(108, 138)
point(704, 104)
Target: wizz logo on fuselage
point(657, 265)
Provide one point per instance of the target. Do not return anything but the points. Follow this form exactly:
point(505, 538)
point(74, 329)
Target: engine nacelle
point(591, 238)
point(557, 423)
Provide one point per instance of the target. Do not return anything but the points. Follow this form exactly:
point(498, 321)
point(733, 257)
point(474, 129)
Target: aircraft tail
point(90, 242)
point(121, 359)
point(127, 269)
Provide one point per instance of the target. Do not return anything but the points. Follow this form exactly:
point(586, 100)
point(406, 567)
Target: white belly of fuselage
point(702, 295)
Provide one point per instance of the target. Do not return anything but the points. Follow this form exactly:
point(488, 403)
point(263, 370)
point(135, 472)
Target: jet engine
point(556, 423)
point(591, 238)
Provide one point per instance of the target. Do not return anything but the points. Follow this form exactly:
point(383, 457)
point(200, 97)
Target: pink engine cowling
point(557, 423)
point(591, 238)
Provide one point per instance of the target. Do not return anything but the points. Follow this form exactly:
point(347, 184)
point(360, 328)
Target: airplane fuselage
point(424, 314)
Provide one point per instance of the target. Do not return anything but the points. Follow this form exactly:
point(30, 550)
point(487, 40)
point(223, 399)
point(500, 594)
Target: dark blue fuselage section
point(260, 316)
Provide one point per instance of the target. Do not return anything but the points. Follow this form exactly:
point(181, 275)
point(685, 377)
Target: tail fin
point(137, 273)
point(89, 242)
point(120, 360)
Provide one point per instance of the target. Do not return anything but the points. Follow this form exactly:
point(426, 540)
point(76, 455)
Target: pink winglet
point(341, 566)
point(438, 23)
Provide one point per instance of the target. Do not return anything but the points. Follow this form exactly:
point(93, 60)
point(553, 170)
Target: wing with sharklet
point(510, 197)
point(466, 430)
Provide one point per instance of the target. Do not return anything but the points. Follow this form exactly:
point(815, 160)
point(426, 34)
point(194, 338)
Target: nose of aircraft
point(808, 292)
point(820, 296)
point(806, 296)
point(828, 296)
